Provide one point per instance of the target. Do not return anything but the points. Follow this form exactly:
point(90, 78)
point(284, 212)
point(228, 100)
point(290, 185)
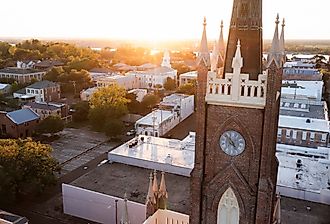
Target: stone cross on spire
point(275, 53)
point(204, 54)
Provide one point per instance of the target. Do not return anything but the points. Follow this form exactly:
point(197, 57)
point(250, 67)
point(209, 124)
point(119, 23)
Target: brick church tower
point(234, 178)
point(246, 25)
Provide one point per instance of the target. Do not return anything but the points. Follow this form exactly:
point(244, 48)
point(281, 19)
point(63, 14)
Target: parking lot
point(75, 147)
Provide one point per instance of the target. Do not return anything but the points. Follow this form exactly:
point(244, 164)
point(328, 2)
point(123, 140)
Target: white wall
point(98, 207)
point(322, 197)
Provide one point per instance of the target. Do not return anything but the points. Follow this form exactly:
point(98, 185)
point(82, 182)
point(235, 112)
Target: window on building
point(294, 134)
point(304, 136)
point(324, 138)
point(288, 133)
point(279, 132)
point(312, 136)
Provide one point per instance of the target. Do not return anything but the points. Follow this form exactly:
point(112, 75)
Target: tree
point(54, 74)
point(113, 127)
point(50, 125)
point(134, 106)
point(25, 167)
point(189, 88)
point(149, 101)
point(170, 84)
point(107, 102)
point(81, 111)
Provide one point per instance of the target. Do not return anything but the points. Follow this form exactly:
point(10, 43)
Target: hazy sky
point(152, 19)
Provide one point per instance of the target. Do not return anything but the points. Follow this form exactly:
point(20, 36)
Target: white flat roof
point(156, 117)
point(311, 89)
point(170, 155)
point(192, 74)
point(312, 176)
point(300, 123)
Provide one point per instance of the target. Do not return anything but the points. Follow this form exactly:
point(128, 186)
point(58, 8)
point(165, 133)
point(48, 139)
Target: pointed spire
point(237, 60)
point(150, 196)
point(125, 218)
point(155, 185)
point(166, 59)
point(274, 53)
point(221, 42)
point(214, 58)
point(277, 211)
point(204, 54)
point(282, 41)
point(163, 196)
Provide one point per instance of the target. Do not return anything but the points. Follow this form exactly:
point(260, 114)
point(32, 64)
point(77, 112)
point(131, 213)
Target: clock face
point(232, 143)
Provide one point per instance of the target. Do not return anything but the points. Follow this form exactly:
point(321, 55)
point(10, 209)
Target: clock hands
point(231, 141)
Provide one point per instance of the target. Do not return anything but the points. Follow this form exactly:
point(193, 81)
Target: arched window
point(228, 210)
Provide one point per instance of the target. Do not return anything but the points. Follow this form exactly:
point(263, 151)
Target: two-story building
point(19, 123)
point(188, 77)
point(21, 75)
point(45, 110)
point(43, 91)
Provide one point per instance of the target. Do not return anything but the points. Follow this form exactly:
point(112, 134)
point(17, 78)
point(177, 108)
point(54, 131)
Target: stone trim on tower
point(236, 89)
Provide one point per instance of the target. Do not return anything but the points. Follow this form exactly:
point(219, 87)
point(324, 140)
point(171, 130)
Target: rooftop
point(156, 117)
point(303, 110)
point(157, 71)
point(117, 179)
point(6, 217)
point(311, 175)
point(42, 84)
point(170, 155)
point(43, 106)
point(19, 71)
point(3, 85)
point(307, 89)
point(303, 123)
point(23, 115)
point(192, 74)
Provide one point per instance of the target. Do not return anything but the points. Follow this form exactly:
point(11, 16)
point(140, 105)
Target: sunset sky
point(152, 19)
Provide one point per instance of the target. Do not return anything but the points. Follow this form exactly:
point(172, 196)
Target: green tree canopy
point(113, 127)
point(25, 167)
point(170, 84)
point(51, 125)
point(189, 88)
point(81, 111)
point(150, 101)
point(107, 103)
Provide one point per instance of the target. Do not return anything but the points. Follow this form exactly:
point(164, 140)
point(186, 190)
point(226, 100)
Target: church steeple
point(166, 59)
point(282, 41)
point(275, 53)
point(204, 54)
point(246, 25)
point(218, 52)
point(221, 43)
point(151, 200)
point(162, 196)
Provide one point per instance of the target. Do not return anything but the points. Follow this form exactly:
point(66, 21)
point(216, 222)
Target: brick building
point(43, 91)
point(18, 123)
